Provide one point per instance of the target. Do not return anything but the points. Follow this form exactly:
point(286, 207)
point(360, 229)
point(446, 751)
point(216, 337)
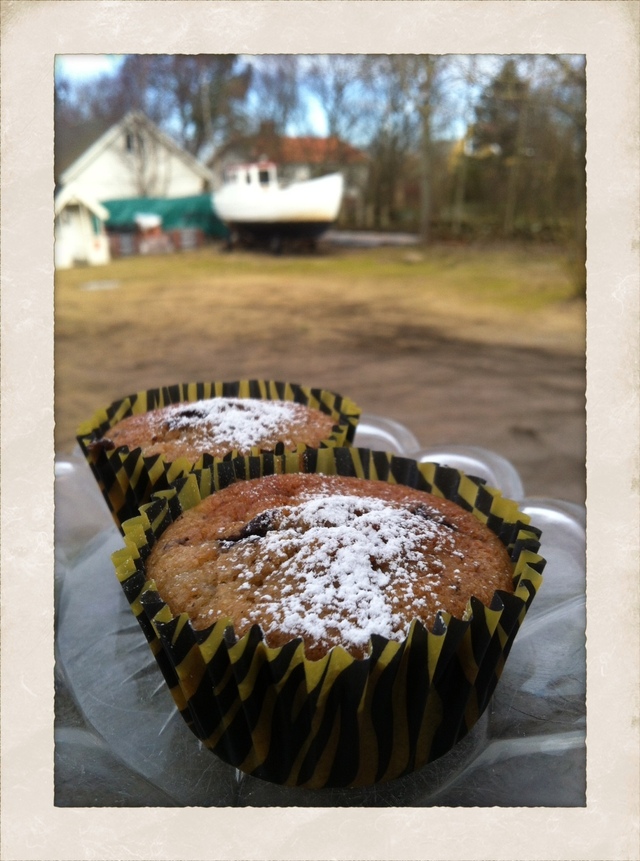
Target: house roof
point(70, 195)
point(315, 150)
point(72, 139)
point(310, 150)
point(137, 119)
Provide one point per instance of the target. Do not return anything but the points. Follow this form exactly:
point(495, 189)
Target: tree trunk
point(459, 192)
point(430, 66)
point(425, 177)
point(511, 202)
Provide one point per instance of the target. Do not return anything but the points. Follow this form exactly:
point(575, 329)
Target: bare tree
point(532, 116)
point(430, 69)
point(276, 96)
point(390, 122)
point(468, 73)
point(339, 85)
point(565, 90)
point(388, 104)
point(208, 95)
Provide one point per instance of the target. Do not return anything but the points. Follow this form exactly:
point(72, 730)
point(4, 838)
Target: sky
point(82, 67)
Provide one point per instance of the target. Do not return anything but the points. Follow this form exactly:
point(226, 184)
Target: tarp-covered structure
point(179, 213)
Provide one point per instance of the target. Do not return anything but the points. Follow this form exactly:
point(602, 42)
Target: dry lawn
point(464, 346)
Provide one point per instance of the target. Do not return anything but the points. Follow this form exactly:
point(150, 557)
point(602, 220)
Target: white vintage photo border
point(33, 33)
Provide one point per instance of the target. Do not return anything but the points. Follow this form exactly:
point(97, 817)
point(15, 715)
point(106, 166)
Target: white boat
point(258, 208)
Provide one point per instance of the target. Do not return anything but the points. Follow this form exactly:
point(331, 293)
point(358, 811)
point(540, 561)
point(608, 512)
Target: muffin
point(141, 443)
point(331, 699)
point(329, 559)
point(217, 426)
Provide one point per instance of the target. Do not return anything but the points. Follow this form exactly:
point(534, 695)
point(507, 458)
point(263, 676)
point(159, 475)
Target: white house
point(80, 236)
point(135, 159)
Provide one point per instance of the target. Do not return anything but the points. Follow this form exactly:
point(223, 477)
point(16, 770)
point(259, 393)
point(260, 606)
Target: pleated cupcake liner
point(339, 721)
point(128, 478)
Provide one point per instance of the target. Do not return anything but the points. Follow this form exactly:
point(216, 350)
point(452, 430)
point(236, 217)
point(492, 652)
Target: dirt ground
point(453, 368)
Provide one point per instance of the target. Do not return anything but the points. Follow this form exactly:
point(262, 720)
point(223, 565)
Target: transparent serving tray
point(128, 746)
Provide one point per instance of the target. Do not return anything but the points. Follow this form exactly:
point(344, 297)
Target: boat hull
point(302, 210)
point(264, 232)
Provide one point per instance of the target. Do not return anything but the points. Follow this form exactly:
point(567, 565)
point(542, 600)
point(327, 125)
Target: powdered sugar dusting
point(241, 422)
point(349, 562)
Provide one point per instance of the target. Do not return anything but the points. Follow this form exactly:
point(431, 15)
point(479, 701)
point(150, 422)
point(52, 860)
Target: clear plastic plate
point(528, 749)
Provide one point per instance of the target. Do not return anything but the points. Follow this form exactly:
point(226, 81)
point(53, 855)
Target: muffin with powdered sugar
point(143, 442)
point(333, 617)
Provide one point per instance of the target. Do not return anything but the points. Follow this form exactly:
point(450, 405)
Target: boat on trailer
point(260, 209)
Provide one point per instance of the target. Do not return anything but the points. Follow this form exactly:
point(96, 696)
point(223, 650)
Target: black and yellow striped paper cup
point(339, 721)
point(127, 477)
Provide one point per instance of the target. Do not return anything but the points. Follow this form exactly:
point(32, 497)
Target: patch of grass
point(192, 314)
point(515, 278)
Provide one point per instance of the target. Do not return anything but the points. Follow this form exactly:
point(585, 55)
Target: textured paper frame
point(607, 32)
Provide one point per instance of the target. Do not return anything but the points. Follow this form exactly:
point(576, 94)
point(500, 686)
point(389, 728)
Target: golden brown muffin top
point(326, 558)
point(220, 425)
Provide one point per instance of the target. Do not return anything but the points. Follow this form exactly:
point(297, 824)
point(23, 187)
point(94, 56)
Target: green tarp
point(178, 213)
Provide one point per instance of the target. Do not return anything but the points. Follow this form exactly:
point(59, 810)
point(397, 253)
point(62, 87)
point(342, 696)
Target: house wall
point(79, 238)
point(137, 166)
